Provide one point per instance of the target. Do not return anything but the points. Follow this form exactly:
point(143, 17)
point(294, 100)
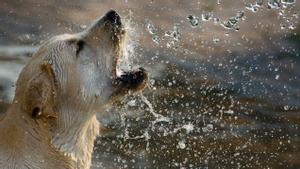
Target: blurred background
point(224, 88)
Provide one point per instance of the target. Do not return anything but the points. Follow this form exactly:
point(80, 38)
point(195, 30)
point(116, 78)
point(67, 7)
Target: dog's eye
point(36, 112)
point(80, 46)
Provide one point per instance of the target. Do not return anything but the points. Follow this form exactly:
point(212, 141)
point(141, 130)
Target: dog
point(51, 123)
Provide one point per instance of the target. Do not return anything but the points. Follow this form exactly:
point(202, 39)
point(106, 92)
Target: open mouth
point(129, 82)
point(133, 80)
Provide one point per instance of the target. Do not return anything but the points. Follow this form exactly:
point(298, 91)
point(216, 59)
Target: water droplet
point(40, 27)
point(50, 61)
point(252, 8)
point(239, 15)
point(273, 4)
point(286, 107)
point(131, 103)
point(27, 36)
point(188, 127)
point(208, 128)
point(227, 25)
point(292, 27)
point(288, 2)
point(259, 3)
point(173, 35)
point(229, 112)
point(216, 40)
point(83, 26)
point(216, 20)
point(152, 81)
point(150, 28)
point(155, 39)
point(233, 21)
point(236, 154)
point(296, 15)
point(181, 144)
point(206, 16)
point(193, 20)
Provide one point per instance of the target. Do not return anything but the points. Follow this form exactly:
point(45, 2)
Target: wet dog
point(52, 120)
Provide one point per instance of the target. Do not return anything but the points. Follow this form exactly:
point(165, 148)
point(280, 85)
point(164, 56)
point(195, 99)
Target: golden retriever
point(52, 123)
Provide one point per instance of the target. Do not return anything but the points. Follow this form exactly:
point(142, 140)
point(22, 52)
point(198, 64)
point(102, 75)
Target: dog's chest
point(23, 147)
point(33, 156)
point(33, 162)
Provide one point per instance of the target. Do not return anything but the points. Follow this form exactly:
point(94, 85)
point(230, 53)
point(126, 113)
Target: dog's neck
point(75, 136)
point(25, 139)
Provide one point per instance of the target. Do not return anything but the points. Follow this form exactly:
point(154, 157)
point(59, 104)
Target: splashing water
point(173, 36)
point(151, 131)
point(125, 63)
point(128, 53)
point(153, 31)
point(159, 117)
point(170, 37)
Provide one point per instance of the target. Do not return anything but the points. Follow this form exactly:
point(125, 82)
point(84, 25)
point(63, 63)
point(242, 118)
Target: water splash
point(208, 128)
point(153, 31)
point(173, 36)
point(129, 46)
point(158, 117)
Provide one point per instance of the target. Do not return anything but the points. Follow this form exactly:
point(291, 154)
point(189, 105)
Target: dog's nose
point(113, 17)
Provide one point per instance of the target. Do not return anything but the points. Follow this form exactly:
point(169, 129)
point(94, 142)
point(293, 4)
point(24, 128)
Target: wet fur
point(52, 120)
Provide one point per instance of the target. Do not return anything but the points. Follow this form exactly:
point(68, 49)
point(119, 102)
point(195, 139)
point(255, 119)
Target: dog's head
point(78, 71)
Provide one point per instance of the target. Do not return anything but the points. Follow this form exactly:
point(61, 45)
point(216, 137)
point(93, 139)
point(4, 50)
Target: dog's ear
point(40, 93)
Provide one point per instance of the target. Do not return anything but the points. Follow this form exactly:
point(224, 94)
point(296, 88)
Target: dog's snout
point(113, 17)
point(134, 77)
